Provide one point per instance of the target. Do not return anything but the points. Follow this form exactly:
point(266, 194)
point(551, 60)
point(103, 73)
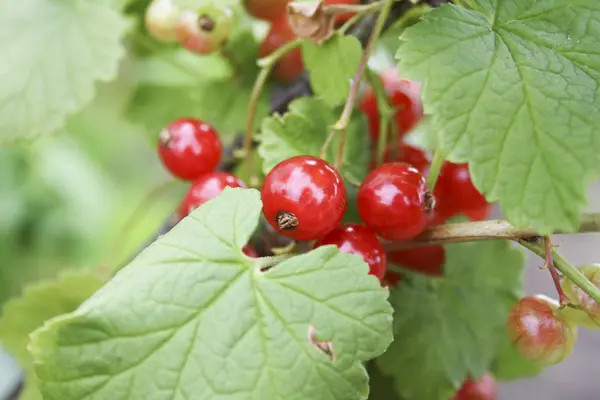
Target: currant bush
point(317, 252)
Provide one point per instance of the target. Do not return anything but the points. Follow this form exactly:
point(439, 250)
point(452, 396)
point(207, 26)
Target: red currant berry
point(484, 388)
point(290, 66)
point(361, 241)
point(538, 332)
point(394, 201)
point(269, 10)
point(161, 19)
point(304, 198)
point(205, 30)
point(428, 260)
point(588, 315)
point(404, 95)
point(407, 154)
point(456, 193)
point(207, 187)
point(249, 251)
point(479, 214)
point(189, 148)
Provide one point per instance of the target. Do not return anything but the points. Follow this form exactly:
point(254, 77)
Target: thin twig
point(435, 169)
point(565, 268)
point(549, 264)
point(342, 124)
point(484, 230)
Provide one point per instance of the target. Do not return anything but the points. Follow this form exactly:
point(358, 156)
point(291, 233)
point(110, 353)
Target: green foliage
point(38, 303)
point(513, 89)
point(449, 328)
point(332, 66)
point(53, 54)
point(304, 129)
point(195, 310)
point(510, 365)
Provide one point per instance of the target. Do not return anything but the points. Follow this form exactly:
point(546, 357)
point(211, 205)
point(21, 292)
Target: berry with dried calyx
point(205, 30)
point(304, 198)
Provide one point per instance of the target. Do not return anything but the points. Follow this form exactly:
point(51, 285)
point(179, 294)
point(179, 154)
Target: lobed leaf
point(193, 317)
point(513, 89)
point(53, 52)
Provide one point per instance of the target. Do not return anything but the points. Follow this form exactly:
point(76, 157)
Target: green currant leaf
point(53, 52)
point(304, 129)
point(193, 317)
point(332, 66)
point(510, 365)
point(449, 328)
point(513, 89)
point(38, 303)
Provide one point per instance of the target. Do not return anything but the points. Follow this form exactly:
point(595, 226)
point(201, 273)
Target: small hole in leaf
point(324, 346)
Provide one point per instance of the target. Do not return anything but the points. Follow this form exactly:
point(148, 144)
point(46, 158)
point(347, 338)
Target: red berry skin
point(428, 260)
point(456, 194)
point(361, 241)
point(479, 214)
point(391, 279)
point(538, 332)
point(249, 251)
point(269, 10)
point(394, 201)
point(290, 66)
point(408, 154)
point(484, 388)
point(207, 187)
point(189, 148)
point(404, 95)
point(304, 198)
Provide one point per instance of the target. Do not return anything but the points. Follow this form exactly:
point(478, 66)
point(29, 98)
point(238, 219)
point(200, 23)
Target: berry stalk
point(435, 169)
point(564, 267)
point(342, 124)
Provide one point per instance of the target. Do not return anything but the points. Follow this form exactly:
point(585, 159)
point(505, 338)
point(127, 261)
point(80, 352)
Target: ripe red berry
point(205, 30)
point(207, 187)
point(361, 241)
point(456, 194)
point(538, 332)
point(404, 95)
point(189, 148)
point(428, 260)
point(484, 388)
point(408, 154)
point(290, 66)
point(394, 201)
point(249, 251)
point(588, 315)
point(391, 279)
point(161, 18)
point(269, 10)
point(304, 198)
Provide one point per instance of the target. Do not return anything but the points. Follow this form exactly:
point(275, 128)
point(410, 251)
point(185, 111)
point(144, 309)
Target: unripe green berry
point(161, 19)
point(588, 312)
point(205, 30)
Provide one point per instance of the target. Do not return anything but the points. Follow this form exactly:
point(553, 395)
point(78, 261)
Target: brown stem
point(549, 263)
point(484, 230)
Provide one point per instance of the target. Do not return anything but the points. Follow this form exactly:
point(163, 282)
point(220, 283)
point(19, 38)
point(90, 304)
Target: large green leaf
point(38, 303)
point(53, 52)
point(449, 328)
point(513, 89)
point(332, 66)
point(304, 129)
point(193, 317)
